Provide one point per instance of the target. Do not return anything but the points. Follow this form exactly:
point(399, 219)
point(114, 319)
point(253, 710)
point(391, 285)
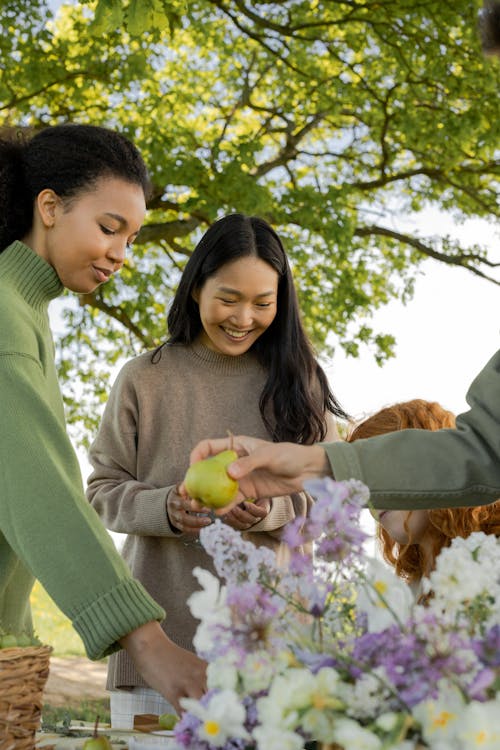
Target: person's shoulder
point(152, 363)
point(16, 329)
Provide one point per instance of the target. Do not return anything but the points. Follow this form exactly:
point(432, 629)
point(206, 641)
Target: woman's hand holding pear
point(264, 469)
point(247, 514)
point(184, 514)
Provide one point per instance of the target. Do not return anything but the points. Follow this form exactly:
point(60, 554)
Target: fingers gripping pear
point(208, 481)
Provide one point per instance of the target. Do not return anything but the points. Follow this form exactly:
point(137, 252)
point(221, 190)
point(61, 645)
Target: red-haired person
point(410, 540)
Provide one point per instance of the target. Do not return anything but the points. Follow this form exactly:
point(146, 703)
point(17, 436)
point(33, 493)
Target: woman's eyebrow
point(228, 290)
point(118, 218)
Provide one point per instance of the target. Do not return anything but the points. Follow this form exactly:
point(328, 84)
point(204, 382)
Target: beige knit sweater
point(155, 415)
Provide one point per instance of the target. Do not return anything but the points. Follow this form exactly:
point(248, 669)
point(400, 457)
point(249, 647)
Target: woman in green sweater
point(73, 199)
point(237, 358)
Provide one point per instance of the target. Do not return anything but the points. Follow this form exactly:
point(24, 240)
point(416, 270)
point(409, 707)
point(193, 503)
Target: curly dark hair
point(68, 159)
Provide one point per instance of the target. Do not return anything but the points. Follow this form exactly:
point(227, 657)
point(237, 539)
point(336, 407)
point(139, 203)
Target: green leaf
point(108, 17)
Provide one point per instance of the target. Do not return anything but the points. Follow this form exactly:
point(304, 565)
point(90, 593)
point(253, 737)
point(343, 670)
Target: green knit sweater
point(424, 469)
point(47, 528)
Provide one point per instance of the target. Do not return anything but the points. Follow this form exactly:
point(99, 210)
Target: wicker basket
point(23, 674)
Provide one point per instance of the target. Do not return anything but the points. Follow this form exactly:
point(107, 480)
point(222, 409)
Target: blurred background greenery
point(52, 626)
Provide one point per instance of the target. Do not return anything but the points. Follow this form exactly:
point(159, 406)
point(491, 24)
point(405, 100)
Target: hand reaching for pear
point(264, 469)
point(208, 482)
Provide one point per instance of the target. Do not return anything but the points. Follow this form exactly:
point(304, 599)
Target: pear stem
point(231, 437)
point(95, 726)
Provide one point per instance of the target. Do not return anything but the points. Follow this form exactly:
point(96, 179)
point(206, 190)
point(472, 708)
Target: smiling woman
point(103, 221)
point(237, 359)
point(72, 197)
point(237, 305)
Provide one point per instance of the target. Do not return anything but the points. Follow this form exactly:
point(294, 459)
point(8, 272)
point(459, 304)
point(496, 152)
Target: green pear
point(96, 742)
point(167, 721)
point(208, 481)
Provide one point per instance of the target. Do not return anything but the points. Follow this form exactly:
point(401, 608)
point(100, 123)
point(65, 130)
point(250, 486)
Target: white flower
point(368, 696)
point(439, 717)
point(211, 600)
point(272, 738)
point(299, 699)
point(221, 720)
point(274, 709)
point(350, 734)
point(209, 606)
point(387, 721)
point(479, 726)
point(222, 674)
point(464, 571)
point(320, 716)
point(257, 672)
point(384, 597)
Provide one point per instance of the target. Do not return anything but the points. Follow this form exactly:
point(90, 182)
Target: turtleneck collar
point(30, 274)
point(224, 364)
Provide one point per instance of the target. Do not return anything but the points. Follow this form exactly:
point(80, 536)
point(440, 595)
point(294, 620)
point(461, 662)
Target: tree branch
point(462, 260)
point(167, 230)
point(95, 300)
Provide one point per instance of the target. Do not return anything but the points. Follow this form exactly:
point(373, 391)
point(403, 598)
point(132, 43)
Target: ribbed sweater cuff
point(281, 513)
point(116, 613)
point(152, 511)
point(343, 460)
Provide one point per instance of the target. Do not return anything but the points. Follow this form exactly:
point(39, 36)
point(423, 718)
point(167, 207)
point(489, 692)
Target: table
point(120, 739)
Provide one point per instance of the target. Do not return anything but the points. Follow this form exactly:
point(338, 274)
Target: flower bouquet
point(338, 652)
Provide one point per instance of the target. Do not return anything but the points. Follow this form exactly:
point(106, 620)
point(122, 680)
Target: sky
point(445, 335)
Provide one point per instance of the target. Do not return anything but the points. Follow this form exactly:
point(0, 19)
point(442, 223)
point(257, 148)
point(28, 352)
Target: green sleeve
point(423, 469)
point(46, 521)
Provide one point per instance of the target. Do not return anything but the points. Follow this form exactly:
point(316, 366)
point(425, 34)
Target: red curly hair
point(410, 560)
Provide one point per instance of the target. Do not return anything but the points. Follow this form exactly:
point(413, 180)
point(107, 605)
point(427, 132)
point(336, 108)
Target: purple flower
point(301, 564)
point(236, 559)
point(411, 667)
point(252, 601)
point(333, 521)
point(478, 689)
point(185, 732)
point(314, 661)
point(488, 649)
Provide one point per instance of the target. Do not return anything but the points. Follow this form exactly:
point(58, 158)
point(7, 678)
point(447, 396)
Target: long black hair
point(296, 396)
point(68, 159)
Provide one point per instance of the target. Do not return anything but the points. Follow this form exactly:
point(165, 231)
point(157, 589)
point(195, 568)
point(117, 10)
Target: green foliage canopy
point(339, 122)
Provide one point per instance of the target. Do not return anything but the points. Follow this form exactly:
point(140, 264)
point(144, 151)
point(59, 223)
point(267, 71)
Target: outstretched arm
point(266, 469)
point(406, 469)
point(166, 667)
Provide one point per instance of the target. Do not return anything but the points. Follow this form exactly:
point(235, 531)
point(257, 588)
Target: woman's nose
point(243, 316)
point(118, 252)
